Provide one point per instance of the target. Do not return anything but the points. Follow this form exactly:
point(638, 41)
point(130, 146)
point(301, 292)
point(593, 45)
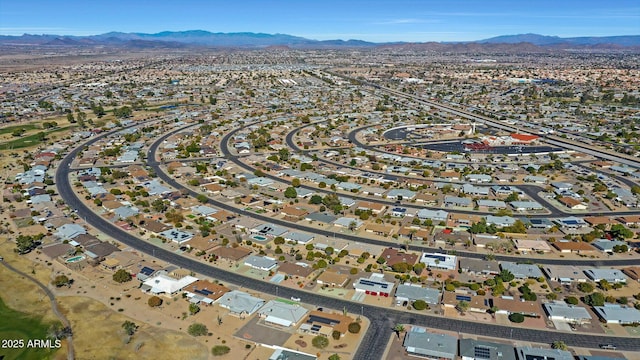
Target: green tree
point(320, 342)
point(516, 318)
point(506, 275)
point(129, 327)
point(334, 357)
point(159, 205)
point(586, 287)
point(595, 299)
point(290, 193)
point(24, 244)
point(197, 329)
point(121, 276)
point(61, 280)
point(194, 309)
point(202, 198)
point(295, 182)
point(619, 231)
point(315, 200)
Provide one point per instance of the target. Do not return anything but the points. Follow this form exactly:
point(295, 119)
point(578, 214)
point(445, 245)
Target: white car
point(293, 298)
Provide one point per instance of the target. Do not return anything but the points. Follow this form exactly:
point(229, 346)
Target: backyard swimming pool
point(259, 238)
point(75, 259)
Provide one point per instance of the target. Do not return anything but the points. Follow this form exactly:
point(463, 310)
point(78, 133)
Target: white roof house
point(611, 275)
point(283, 314)
point(261, 262)
point(439, 261)
point(164, 284)
point(374, 285)
point(269, 230)
point(240, 303)
point(618, 314)
point(176, 235)
point(528, 352)
point(405, 292)
point(559, 310)
point(69, 231)
point(437, 215)
point(298, 237)
point(521, 271)
point(348, 221)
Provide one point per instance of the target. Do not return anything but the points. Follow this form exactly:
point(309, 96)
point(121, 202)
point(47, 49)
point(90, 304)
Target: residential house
point(471, 349)
point(282, 313)
point(204, 291)
point(324, 323)
point(613, 276)
point(578, 247)
point(240, 303)
point(531, 353)
point(617, 314)
point(393, 256)
point(333, 278)
point(165, 284)
point(565, 274)
point(479, 266)
point(521, 271)
point(421, 343)
point(261, 262)
point(413, 292)
point(561, 311)
point(439, 261)
point(374, 285)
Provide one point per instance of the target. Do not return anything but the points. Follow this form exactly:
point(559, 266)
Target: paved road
point(224, 148)
point(374, 341)
point(54, 306)
point(549, 139)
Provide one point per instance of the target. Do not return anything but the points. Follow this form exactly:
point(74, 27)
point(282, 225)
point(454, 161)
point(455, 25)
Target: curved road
point(54, 306)
point(225, 150)
point(374, 342)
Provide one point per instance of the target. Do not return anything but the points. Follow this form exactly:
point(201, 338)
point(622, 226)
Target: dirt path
point(54, 306)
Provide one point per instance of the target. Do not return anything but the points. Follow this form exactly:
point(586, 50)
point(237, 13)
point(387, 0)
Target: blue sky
point(373, 20)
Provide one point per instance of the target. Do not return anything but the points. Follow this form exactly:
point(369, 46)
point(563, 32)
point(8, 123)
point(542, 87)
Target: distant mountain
point(543, 40)
point(179, 39)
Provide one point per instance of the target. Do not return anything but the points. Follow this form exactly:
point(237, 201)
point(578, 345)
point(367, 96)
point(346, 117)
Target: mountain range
point(177, 39)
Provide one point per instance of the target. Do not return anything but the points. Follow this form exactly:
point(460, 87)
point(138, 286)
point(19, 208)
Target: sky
point(373, 20)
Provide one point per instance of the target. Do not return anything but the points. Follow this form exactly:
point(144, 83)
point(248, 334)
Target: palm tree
point(398, 329)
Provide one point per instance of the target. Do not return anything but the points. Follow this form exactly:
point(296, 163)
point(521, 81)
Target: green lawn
point(20, 326)
point(25, 127)
point(29, 140)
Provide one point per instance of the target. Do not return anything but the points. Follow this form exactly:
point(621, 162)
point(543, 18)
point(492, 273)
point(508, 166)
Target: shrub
point(354, 328)
point(154, 301)
point(419, 304)
point(336, 335)
point(219, 350)
point(320, 342)
point(197, 329)
point(516, 318)
point(121, 276)
point(572, 300)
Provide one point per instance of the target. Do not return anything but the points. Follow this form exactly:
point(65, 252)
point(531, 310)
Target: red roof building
point(524, 138)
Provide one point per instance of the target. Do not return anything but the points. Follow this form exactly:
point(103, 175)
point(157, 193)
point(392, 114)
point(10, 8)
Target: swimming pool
point(259, 238)
point(75, 259)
